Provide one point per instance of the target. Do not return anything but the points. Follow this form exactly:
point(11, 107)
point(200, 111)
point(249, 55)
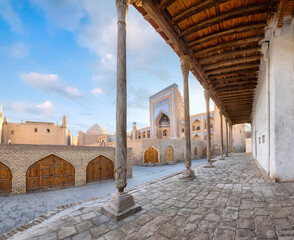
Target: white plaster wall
point(273, 111)
point(282, 64)
point(260, 120)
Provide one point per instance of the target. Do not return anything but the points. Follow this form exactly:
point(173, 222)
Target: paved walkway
point(17, 210)
point(234, 200)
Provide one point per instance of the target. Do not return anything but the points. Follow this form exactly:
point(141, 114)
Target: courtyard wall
point(19, 158)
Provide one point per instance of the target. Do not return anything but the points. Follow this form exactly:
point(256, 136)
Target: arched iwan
point(50, 172)
point(5, 179)
point(100, 168)
point(151, 155)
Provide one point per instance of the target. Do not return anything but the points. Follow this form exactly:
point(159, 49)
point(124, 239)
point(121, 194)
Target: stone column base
point(221, 157)
point(120, 206)
point(209, 165)
point(187, 174)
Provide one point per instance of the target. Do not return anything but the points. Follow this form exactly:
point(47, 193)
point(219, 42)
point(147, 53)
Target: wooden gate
point(100, 168)
point(50, 172)
point(151, 155)
point(204, 152)
point(169, 154)
point(5, 179)
point(195, 151)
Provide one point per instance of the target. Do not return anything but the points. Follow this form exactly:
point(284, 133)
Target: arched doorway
point(195, 151)
point(169, 154)
point(196, 125)
point(151, 155)
point(50, 172)
point(5, 179)
point(100, 168)
point(204, 152)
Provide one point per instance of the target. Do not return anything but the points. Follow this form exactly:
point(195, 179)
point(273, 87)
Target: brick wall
point(19, 158)
point(140, 145)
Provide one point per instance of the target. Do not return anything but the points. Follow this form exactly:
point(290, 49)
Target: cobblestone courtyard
point(234, 200)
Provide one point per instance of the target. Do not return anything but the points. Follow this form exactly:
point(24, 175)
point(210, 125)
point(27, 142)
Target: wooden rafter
point(281, 12)
point(165, 3)
point(202, 6)
point(235, 13)
point(234, 74)
point(228, 54)
point(235, 30)
point(230, 44)
point(234, 79)
point(236, 61)
point(232, 69)
point(235, 85)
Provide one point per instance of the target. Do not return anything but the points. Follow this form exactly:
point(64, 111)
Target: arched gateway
point(151, 155)
point(50, 172)
point(5, 179)
point(204, 152)
point(100, 168)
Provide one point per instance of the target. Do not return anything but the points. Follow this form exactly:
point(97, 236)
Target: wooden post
point(185, 67)
point(207, 98)
point(227, 139)
point(121, 204)
point(221, 135)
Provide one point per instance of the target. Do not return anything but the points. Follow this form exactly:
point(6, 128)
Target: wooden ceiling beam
point(235, 74)
point(165, 3)
point(230, 31)
point(281, 12)
point(232, 53)
point(233, 69)
point(235, 13)
point(237, 83)
point(202, 6)
point(234, 79)
point(231, 44)
point(231, 62)
point(235, 87)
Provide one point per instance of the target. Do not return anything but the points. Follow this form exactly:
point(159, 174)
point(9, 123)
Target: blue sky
point(58, 57)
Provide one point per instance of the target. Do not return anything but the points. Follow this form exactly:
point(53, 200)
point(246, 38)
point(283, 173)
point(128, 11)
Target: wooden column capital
point(185, 66)
point(122, 7)
point(206, 95)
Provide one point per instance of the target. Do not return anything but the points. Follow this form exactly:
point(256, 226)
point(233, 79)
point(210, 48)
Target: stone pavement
point(234, 200)
point(17, 210)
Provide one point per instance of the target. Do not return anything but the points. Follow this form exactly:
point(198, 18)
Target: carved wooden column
point(227, 138)
point(221, 135)
point(121, 204)
point(207, 98)
point(185, 66)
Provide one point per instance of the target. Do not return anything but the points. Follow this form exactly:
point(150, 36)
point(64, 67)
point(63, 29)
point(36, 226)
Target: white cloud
point(96, 91)
point(46, 108)
point(19, 50)
point(51, 83)
point(10, 17)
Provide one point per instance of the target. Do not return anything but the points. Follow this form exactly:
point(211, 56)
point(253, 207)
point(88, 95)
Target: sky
point(58, 57)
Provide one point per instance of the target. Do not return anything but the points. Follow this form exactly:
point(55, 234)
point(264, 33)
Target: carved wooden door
point(204, 152)
point(5, 179)
point(169, 154)
point(50, 172)
point(100, 168)
point(151, 155)
point(195, 151)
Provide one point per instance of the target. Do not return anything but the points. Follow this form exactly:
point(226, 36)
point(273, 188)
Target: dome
point(97, 129)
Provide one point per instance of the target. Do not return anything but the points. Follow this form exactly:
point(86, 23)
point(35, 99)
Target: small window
point(183, 130)
point(165, 133)
point(259, 140)
point(198, 127)
point(36, 129)
point(240, 131)
point(12, 132)
point(263, 139)
point(48, 130)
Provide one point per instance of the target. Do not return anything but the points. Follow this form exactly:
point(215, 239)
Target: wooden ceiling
point(222, 38)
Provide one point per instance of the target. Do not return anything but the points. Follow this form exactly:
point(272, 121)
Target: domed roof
point(97, 129)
